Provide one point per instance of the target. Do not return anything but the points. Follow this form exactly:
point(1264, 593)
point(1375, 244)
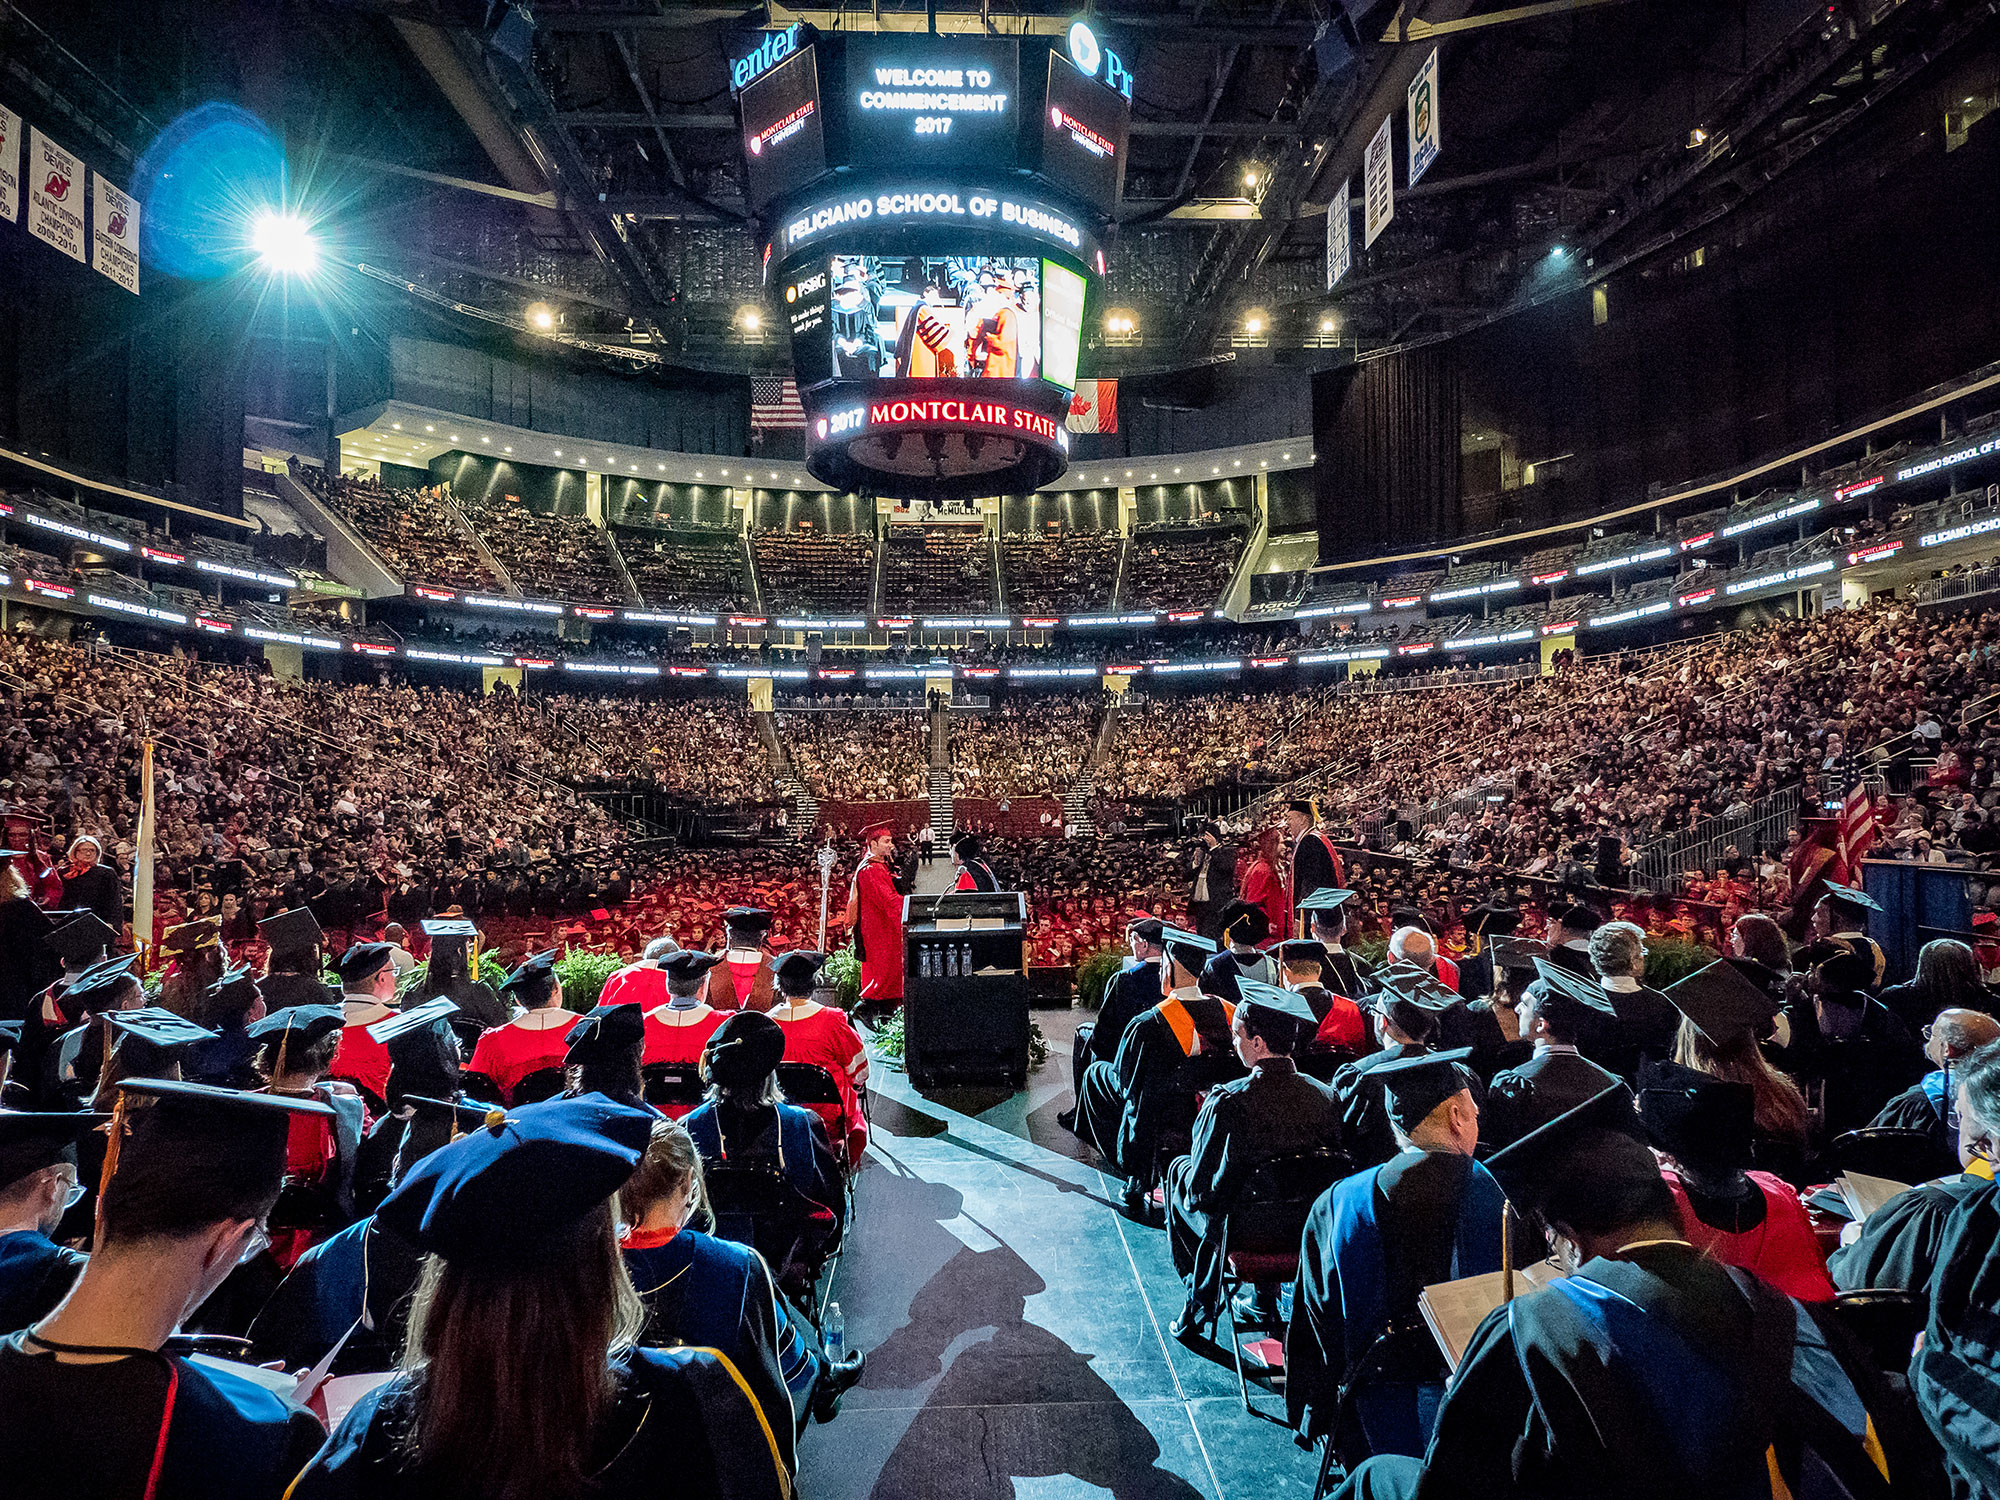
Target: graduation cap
point(1414, 1086)
point(1517, 954)
point(31, 1141)
point(796, 971)
point(1565, 989)
point(1188, 951)
point(232, 988)
point(448, 927)
point(536, 973)
point(299, 1025)
point(148, 1039)
point(1147, 929)
point(1244, 923)
point(746, 1048)
point(748, 920)
point(1268, 1000)
point(1857, 901)
point(292, 931)
point(1575, 916)
point(81, 940)
point(363, 962)
point(1839, 965)
point(1533, 1171)
point(404, 1022)
point(876, 830)
point(1703, 1122)
point(1492, 920)
point(1722, 1003)
point(1326, 898)
point(517, 1190)
point(99, 987)
point(607, 1030)
point(210, 1153)
point(1301, 953)
point(190, 938)
point(1418, 985)
point(689, 964)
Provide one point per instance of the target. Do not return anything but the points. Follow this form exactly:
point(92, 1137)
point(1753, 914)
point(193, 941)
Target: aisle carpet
point(1016, 1323)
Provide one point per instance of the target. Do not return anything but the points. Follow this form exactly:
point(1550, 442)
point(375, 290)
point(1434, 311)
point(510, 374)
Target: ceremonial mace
point(826, 860)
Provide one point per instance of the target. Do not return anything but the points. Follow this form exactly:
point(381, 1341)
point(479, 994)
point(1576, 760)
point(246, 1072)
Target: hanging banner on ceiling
point(1094, 407)
point(1378, 183)
point(1424, 117)
point(10, 165)
point(114, 240)
point(1339, 233)
point(55, 196)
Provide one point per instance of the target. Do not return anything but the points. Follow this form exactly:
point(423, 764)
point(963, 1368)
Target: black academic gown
point(704, 1293)
point(1855, 1076)
point(1926, 1106)
point(285, 989)
point(681, 1421)
point(363, 1268)
point(1312, 866)
point(1345, 974)
point(1657, 1377)
point(1528, 1097)
point(1364, 1119)
point(1645, 1026)
point(27, 966)
point(1132, 992)
point(1146, 1096)
point(35, 1274)
point(1955, 1377)
point(1275, 1111)
point(72, 1429)
point(1898, 1246)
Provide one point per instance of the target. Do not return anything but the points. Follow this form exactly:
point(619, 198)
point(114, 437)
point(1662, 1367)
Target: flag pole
point(142, 865)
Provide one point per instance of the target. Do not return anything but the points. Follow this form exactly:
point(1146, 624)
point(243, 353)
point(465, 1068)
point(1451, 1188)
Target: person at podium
point(875, 917)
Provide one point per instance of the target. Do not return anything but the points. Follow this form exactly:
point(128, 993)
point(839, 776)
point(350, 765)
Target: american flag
point(1857, 831)
point(774, 404)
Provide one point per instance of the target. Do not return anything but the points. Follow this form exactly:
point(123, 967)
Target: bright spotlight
point(1254, 323)
point(284, 243)
point(541, 315)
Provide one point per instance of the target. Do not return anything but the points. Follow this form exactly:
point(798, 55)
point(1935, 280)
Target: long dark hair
point(1948, 975)
point(511, 1366)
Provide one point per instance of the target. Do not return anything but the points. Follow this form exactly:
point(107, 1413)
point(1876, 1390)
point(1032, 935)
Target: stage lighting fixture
point(541, 316)
point(751, 319)
point(284, 242)
point(1326, 325)
point(1253, 323)
point(1557, 252)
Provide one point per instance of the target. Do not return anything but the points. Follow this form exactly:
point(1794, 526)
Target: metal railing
point(1966, 585)
point(1661, 863)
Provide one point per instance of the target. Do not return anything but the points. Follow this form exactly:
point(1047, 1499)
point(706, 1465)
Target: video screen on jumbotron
point(1084, 128)
point(784, 142)
point(937, 317)
point(932, 101)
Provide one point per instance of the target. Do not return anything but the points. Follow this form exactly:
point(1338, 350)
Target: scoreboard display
point(931, 211)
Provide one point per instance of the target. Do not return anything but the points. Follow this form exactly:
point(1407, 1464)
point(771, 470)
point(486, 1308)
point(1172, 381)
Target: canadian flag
point(1094, 407)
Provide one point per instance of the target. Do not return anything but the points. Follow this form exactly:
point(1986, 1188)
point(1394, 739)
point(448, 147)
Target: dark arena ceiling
point(583, 153)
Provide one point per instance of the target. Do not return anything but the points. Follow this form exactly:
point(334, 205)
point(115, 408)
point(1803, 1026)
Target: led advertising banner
point(784, 139)
point(807, 307)
point(1062, 323)
point(1084, 128)
point(921, 317)
point(932, 101)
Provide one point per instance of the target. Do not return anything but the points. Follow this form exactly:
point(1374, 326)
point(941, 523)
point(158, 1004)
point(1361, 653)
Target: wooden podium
point(965, 988)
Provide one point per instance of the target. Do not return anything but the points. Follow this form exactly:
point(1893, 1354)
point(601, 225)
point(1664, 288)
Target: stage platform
point(1016, 1323)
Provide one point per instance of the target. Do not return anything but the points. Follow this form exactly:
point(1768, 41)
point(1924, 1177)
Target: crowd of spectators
point(686, 570)
point(815, 572)
point(937, 570)
point(854, 755)
point(1061, 573)
point(552, 556)
point(1179, 569)
point(704, 749)
point(1027, 747)
point(1164, 748)
point(412, 529)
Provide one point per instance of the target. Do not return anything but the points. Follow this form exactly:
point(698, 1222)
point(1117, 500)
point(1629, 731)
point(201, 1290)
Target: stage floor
point(1016, 1323)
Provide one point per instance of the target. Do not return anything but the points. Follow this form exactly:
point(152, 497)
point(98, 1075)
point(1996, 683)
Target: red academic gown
point(636, 984)
point(1261, 887)
point(680, 1046)
point(362, 1060)
point(878, 919)
point(1343, 1026)
point(509, 1053)
point(1782, 1250)
point(827, 1038)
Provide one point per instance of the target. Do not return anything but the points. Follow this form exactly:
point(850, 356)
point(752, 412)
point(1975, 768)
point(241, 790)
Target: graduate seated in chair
point(747, 1123)
point(534, 1041)
point(710, 1293)
point(604, 1054)
point(38, 1185)
point(1128, 1107)
point(1377, 1239)
point(523, 1374)
point(1650, 1371)
point(1132, 992)
point(89, 1405)
point(1554, 1012)
point(1275, 1111)
point(821, 1036)
point(1931, 1103)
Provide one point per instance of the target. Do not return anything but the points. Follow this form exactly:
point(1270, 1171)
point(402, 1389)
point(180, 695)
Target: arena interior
point(1000, 751)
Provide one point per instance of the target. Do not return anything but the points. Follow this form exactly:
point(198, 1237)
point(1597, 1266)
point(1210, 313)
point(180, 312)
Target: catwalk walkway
point(1016, 1323)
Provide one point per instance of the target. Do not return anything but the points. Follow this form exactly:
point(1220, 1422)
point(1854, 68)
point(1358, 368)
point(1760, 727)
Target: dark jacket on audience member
point(1552, 1082)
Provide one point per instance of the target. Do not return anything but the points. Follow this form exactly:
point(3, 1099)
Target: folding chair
point(1885, 1323)
point(543, 1083)
point(1262, 1229)
point(1403, 1354)
point(675, 1089)
point(1910, 1156)
point(812, 1087)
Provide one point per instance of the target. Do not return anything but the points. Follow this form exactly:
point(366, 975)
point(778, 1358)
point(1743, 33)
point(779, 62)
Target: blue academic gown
point(1354, 1279)
point(707, 1293)
point(35, 1274)
point(797, 1147)
point(326, 1291)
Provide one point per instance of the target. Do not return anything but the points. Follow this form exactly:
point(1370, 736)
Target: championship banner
point(114, 235)
point(1424, 118)
point(1378, 183)
point(1094, 407)
point(1340, 233)
point(55, 196)
point(10, 165)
